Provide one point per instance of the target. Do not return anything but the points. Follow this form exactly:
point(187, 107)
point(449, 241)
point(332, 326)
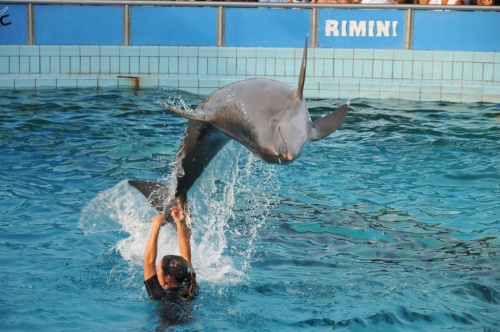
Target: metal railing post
point(409, 29)
point(126, 25)
point(221, 26)
point(314, 27)
point(30, 21)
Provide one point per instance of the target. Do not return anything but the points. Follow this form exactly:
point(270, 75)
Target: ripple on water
point(84, 166)
point(391, 223)
point(484, 293)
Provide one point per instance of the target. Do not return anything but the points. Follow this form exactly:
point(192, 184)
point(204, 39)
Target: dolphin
point(268, 117)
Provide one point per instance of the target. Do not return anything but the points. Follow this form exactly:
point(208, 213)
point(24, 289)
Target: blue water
point(391, 223)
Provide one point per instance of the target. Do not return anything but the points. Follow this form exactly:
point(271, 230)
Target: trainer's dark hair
point(177, 267)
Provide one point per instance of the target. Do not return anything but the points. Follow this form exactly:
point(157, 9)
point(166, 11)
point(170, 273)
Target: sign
point(13, 30)
point(361, 29)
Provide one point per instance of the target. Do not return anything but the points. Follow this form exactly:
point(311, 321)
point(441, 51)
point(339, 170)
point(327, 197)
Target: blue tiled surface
point(252, 66)
point(488, 72)
point(69, 50)
point(24, 65)
point(231, 66)
point(65, 65)
point(437, 70)
point(397, 70)
point(212, 66)
point(4, 65)
point(115, 65)
point(55, 66)
point(134, 65)
point(45, 65)
point(110, 51)
point(332, 73)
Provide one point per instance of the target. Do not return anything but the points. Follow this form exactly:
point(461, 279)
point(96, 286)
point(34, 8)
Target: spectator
point(375, 2)
point(450, 2)
point(440, 2)
point(331, 1)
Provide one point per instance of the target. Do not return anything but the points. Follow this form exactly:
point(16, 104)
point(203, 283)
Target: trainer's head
point(173, 271)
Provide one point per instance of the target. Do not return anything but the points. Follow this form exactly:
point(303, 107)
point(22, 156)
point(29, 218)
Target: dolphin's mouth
point(285, 155)
point(282, 161)
point(276, 158)
point(288, 157)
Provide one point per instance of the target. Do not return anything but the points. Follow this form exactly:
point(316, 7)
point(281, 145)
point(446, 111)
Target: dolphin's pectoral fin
point(189, 114)
point(156, 193)
point(173, 109)
point(326, 125)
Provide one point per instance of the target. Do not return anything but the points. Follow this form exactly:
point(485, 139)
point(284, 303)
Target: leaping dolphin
point(267, 117)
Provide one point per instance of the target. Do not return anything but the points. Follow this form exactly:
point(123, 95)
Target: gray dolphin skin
point(269, 118)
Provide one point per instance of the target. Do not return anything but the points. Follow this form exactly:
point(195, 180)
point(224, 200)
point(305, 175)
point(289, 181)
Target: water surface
point(391, 223)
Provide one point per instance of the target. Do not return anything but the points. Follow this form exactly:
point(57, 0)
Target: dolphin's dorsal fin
point(326, 125)
point(302, 78)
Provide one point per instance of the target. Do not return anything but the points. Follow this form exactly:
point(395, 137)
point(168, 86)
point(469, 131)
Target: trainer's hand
point(177, 212)
point(159, 219)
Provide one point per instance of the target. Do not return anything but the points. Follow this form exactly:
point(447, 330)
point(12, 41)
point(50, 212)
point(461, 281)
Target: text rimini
point(361, 28)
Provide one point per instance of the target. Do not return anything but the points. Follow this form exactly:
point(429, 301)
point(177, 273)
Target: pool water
point(391, 223)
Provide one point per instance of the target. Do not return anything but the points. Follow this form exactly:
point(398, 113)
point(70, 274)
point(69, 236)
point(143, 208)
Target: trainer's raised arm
point(177, 213)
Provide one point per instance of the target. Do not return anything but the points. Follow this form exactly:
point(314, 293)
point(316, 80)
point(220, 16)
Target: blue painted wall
point(78, 25)
point(174, 26)
point(251, 27)
point(267, 27)
point(380, 29)
point(458, 31)
point(13, 27)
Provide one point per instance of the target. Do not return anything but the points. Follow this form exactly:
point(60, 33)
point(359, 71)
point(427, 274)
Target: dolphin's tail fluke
point(158, 196)
point(156, 193)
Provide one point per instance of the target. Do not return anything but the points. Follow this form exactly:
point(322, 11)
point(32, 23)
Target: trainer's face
point(161, 277)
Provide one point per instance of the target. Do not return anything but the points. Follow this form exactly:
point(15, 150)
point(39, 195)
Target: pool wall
point(362, 53)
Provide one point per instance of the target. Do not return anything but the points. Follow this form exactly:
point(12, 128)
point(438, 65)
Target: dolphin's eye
point(274, 123)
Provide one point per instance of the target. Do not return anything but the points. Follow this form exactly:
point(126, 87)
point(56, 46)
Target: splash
point(213, 203)
point(175, 101)
point(123, 210)
point(120, 209)
point(115, 204)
